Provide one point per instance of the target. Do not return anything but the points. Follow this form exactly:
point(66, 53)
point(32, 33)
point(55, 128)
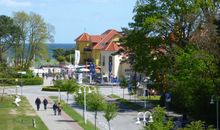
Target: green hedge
point(51, 88)
point(26, 81)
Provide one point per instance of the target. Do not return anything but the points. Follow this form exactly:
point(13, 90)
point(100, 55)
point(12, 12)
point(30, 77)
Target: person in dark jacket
point(55, 108)
point(45, 102)
point(59, 109)
point(38, 102)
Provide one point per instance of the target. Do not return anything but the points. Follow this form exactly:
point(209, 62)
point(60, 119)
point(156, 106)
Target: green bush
point(28, 81)
point(52, 88)
point(33, 81)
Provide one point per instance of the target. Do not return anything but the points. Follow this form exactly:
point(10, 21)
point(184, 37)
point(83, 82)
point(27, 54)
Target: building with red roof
point(99, 49)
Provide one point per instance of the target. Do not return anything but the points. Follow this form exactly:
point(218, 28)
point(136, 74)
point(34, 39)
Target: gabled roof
point(112, 47)
point(83, 38)
point(107, 36)
point(99, 41)
point(96, 38)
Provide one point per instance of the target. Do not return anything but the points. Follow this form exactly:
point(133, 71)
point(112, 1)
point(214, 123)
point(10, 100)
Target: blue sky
point(73, 17)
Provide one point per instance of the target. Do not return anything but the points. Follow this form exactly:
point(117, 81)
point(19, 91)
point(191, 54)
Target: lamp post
point(145, 88)
point(212, 102)
point(21, 85)
point(89, 91)
point(145, 115)
point(16, 88)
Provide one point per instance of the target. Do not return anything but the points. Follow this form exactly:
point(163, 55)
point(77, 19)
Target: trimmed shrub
point(28, 81)
point(51, 88)
point(33, 81)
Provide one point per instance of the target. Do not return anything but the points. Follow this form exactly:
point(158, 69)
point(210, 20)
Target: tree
point(123, 84)
point(110, 112)
point(158, 25)
point(197, 125)
point(95, 103)
point(8, 35)
point(62, 55)
point(191, 82)
point(158, 120)
point(34, 34)
point(70, 86)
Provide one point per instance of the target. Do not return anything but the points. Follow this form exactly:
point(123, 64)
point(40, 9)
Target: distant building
point(100, 50)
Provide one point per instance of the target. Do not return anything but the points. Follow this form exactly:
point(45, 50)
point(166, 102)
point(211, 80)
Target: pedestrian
point(59, 107)
point(45, 102)
point(55, 108)
point(38, 102)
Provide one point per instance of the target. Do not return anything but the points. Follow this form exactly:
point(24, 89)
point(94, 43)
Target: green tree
point(70, 86)
point(35, 32)
point(95, 103)
point(8, 35)
point(123, 84)
point(197, 125)
point(158, 120)
point(192, 82)
point(110, 112)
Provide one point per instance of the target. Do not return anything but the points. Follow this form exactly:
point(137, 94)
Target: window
point(103, 60)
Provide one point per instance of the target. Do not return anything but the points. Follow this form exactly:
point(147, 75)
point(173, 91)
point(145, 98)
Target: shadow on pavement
point(65, 121)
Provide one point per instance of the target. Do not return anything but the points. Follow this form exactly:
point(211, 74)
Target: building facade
point(101, 50)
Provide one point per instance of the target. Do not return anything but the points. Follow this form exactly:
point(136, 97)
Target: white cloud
point(15, 3)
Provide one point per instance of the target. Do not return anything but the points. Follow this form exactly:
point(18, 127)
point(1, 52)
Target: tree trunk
point(95, 118)
point(67, 98)
point(123, 92)
point(109, 125)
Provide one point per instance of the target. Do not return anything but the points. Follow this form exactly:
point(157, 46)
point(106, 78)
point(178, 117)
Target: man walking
point(45, 102)
point(55, 108)
point(38, 102)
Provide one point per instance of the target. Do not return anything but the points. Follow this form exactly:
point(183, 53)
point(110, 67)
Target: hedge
point(24, 81)
point(52, 88)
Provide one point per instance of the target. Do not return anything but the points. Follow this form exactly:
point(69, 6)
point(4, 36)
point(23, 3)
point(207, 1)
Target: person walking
point(38, 102)
point(55, 108)
point(45, 102)
point(59, 108)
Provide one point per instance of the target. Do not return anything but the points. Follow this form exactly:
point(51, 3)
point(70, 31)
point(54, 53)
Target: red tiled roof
point(112, 47)
point(107, 36)
point(96, 38)
point(83, 38)
point(99, 41)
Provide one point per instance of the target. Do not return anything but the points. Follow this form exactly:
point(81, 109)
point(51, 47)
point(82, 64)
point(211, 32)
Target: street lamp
point(80, 92)
point(146, 115)
point(16, 88)
point(212, 102)
point(145, 88)
point(21, 85)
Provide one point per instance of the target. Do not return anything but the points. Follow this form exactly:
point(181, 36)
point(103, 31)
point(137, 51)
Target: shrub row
point(52, 88)
point(24, 81)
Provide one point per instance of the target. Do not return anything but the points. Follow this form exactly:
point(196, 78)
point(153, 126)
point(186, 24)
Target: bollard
point(33, 123)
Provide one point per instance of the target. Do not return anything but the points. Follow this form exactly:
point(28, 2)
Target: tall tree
point(8, 34)
point(35, 33)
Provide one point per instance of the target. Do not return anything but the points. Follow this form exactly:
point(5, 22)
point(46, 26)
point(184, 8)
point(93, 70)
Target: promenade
point(63, 122)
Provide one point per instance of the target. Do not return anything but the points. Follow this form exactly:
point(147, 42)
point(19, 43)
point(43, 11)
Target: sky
point(73, 17)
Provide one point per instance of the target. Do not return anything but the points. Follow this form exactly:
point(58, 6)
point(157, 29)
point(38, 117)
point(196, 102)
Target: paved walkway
point(63, 122)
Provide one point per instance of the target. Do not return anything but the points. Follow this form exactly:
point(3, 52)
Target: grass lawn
point(75, 115)
point(18, 118)
point(155, 100)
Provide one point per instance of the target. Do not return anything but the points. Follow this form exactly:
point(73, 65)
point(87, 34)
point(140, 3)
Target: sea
point(64, 46)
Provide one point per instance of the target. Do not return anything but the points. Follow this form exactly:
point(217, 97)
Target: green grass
point(152, 99)
point(18, 118)
point(130, 105)
point(75, 115)
point(113, 96)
